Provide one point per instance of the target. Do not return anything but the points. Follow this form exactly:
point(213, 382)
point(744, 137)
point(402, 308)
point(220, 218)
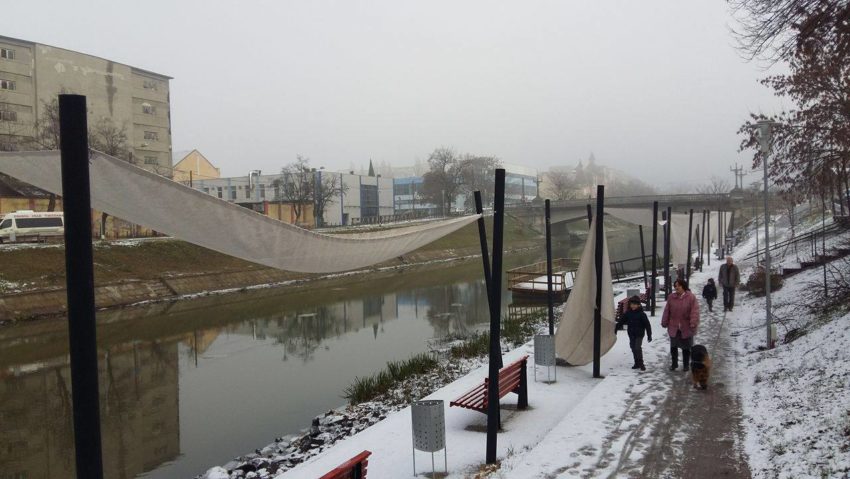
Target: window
point(7, 53)
point(247, 193)
point(148, 109)
point(7, 85)
point(38, 222)
point(8, 115)
point(232, 192)
point(262, 191)
point(219, 192)
point(151, 160)
point(5, 224)
point(152, 135)
point(149, 85)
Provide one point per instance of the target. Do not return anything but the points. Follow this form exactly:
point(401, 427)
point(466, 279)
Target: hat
point(634, 299)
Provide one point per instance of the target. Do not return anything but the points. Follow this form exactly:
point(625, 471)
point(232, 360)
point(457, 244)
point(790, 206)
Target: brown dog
point(700, 366)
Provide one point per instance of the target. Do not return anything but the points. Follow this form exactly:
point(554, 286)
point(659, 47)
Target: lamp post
point(764, 138)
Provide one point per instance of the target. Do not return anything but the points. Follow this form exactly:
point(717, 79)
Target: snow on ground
point(795, 397)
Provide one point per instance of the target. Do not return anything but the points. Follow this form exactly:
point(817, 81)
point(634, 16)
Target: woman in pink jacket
point(681, 318)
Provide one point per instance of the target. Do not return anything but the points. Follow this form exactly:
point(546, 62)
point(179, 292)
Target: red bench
point(624, 303)
point(512, 379)
point(354, 468)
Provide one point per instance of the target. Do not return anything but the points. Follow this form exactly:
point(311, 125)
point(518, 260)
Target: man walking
point(729, 278)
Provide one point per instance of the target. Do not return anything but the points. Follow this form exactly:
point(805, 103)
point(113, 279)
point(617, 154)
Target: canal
point(192, 384)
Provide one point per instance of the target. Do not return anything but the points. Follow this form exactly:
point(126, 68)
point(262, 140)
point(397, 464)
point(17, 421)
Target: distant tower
point(371, 168)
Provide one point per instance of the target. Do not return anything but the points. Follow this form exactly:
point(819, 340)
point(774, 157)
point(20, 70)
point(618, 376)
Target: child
point(636, 324)
point(709, 292)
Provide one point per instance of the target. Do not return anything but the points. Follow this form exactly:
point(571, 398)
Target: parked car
point(26, 225)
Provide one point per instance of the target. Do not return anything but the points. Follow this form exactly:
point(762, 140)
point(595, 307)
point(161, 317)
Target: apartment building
point(33, 74)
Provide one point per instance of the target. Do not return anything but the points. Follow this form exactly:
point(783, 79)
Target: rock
point(216, 473)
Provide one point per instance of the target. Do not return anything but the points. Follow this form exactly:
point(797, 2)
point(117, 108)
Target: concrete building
point(192, 165)
point(33, 74)
point(364, 199)
point(521, 185)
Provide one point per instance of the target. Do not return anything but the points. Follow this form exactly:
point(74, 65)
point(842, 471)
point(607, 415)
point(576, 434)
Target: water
point(188, 385)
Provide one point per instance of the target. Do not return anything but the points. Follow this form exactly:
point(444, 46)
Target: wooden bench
point(512, 379)
point(354, 468)
point(623, 304)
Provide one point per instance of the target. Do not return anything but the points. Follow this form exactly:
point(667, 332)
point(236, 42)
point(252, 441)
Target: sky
point(655, 88)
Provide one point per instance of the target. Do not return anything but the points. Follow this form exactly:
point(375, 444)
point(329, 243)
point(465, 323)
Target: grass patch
point(518, 330)
point(476, 345)
point(369, 387)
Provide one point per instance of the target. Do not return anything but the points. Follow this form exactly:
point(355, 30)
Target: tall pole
point(719, 234)
point(79, 277)
point(665, 215)
point(495, 317)
point(654, 255)
point(589, 215)
point(690, 234)
point(702, 242)
point(708, 238)
point(765, 140)
point(642, 255)
point(549, 272)
point(485, 256)
point(597, 312)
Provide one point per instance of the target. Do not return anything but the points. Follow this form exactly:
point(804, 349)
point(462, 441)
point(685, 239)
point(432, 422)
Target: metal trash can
point(544, 355)
point(429, 430)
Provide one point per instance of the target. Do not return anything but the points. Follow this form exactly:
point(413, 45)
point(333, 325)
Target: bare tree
point(296, 185)
point(478, 173)
point(330, 187)
point(560, 184)
point(442, 182)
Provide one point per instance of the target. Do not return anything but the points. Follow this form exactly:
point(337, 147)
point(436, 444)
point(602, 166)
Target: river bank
point(132, 272)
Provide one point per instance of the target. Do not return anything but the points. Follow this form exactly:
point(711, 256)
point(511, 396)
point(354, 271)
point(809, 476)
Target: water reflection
point(187, 385)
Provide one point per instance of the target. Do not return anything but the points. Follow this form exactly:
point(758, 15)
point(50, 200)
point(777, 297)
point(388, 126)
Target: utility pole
point(739, 175)
point(764, 139)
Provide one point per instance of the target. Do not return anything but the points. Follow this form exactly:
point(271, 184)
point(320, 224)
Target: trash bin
point(429, 430)
point(544, 355)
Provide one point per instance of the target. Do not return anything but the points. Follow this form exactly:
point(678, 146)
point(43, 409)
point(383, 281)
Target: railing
point(809, 239)
point(533, 276)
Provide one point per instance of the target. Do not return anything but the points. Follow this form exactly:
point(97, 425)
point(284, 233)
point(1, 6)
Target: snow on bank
point(796, 397)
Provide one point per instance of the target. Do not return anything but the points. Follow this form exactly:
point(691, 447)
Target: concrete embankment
point(126, 273)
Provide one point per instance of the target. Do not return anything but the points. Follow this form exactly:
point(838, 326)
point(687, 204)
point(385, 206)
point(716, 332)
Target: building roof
point(31, 43)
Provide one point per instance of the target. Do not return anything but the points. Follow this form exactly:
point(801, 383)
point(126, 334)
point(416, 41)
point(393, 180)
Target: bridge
point(568, 211)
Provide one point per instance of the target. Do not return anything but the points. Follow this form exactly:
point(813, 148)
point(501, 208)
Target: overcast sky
point(652, 87)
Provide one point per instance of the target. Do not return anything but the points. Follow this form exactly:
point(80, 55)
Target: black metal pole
point(642, 255)
point(690, 234)
point(79, 277)
point(485, 256)
point(708, 237)
point(589, 215)
point(702, 243)
point(667, 232)
point(549, 271)
point(495, 317)
point(597, 312)
point(719, 234)
point(654, 255)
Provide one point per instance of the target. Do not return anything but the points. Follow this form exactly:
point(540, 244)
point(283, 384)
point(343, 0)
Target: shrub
point(365, 388)
point(755, 283)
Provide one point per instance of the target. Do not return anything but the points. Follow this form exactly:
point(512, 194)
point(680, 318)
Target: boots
point(686, 359)
point(674, 355)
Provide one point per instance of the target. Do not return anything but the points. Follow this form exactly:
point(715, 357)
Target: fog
point(655, 88)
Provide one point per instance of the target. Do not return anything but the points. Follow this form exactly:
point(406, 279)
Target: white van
point(26, 225)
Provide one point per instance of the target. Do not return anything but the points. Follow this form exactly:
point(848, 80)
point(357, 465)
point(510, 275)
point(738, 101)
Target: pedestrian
point(681, 318)
point(709, 292)
point(729, 278)
point(637, 324)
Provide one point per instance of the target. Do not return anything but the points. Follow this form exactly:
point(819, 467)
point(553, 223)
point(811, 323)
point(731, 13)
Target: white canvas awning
point(139, 196)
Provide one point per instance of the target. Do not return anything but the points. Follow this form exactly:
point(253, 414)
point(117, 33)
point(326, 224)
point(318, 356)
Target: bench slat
point(510, 377)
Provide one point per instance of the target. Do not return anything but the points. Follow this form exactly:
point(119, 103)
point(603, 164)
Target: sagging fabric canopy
point(574, 338)
point(139, 196)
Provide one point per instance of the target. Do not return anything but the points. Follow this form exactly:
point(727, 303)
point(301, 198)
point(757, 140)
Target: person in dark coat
point(729, 278)
point(637, 324)
point(709, 292)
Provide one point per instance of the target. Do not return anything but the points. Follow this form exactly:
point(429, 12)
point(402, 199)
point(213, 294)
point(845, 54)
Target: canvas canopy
point(574, 338)
point(139, 196)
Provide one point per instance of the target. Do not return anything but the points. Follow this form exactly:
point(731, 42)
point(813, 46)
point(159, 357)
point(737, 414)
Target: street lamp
point(765, 137)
